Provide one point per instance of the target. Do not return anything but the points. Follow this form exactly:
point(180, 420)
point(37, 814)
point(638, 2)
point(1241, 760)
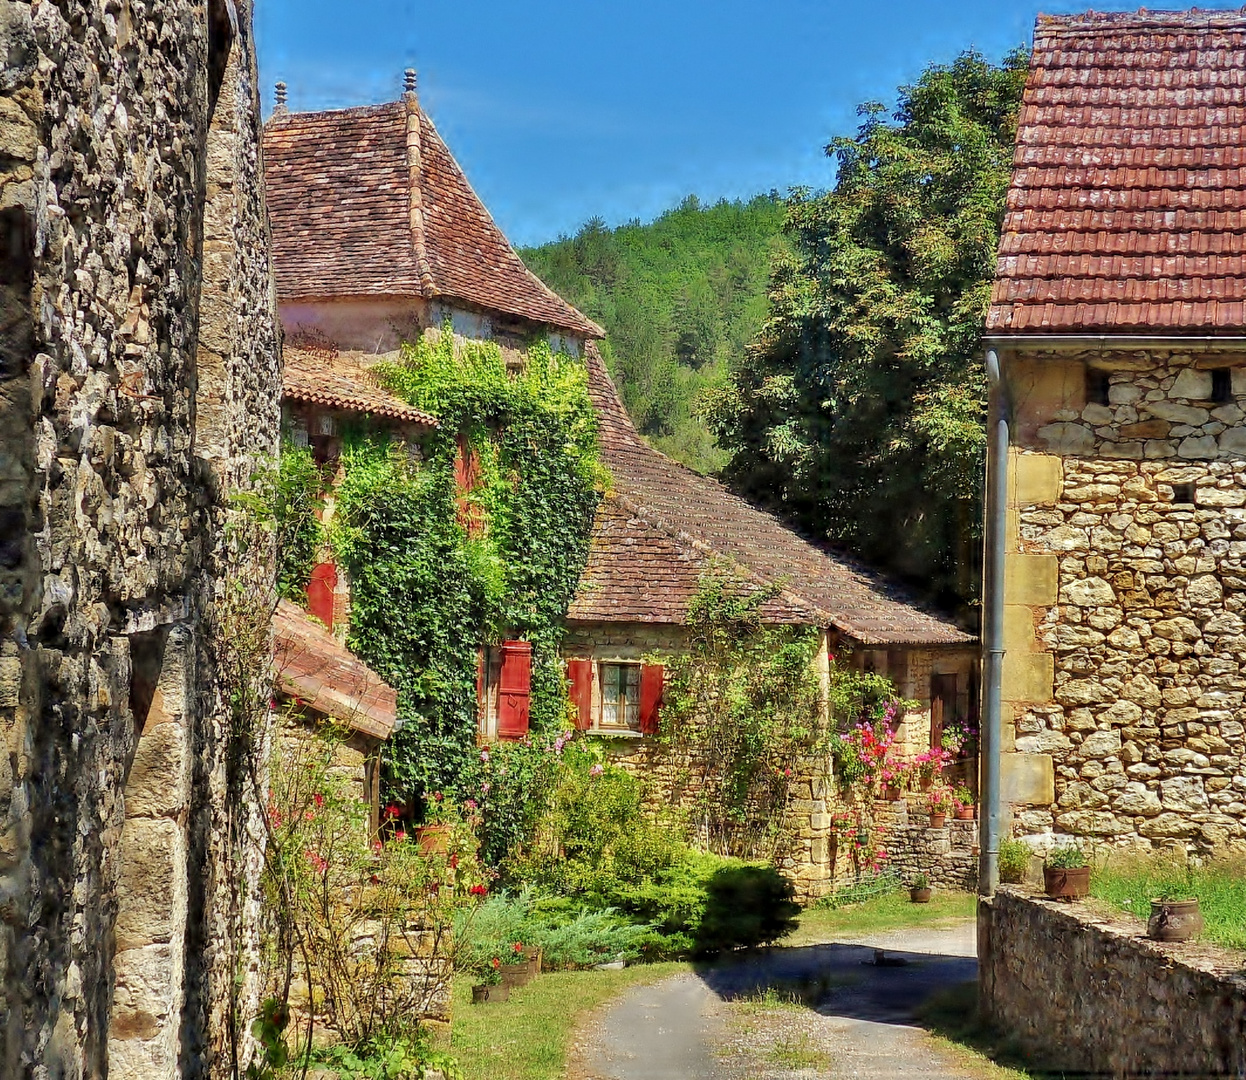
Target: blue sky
point(562, 110)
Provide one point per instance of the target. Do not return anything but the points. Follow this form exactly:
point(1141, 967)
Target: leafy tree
point(680, 298)
point(860, 410)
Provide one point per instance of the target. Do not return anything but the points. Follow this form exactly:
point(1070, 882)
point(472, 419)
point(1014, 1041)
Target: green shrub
point(745, 906)
point(1014, 861)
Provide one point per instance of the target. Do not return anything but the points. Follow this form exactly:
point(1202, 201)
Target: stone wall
point(947, 855)
point(133, 230)
point(1087, 994)
point(1125, 671)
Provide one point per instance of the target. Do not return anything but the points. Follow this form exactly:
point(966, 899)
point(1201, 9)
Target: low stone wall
point(1084, 993)
point(948, 855)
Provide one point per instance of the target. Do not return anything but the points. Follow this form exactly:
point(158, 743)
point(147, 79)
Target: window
point(620, 697)
point(1097, 385)
point(1221, 385)
point(503, 686)
point(1183, 493)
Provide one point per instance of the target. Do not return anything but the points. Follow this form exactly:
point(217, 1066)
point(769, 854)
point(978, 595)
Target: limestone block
point(1192, 384)
point(1018, 627)
point(1066, 538)
point(1213, 496)
point(1030, 579)
point(1091, 823)
point(1027, 779)
point(1121, 713)
point(1233, 441)
point(1183, 793)
point(1178, 414)
point(1142, 691)
point(1100, 744)
point(1072, 440)
point(158, 781)
point(10, 681)
point(1036, 479)
point(1197, 447)
point(148, 893)
point(1082, 692)
point(1089, 592)
point(1205, 591)
point(1169, 826)
point(1139, 800)
point(144, 1023)
point(1027, 676)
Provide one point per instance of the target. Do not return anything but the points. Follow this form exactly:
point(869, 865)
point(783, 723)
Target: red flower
point(400, 835)
point(318, 799)
point(477, 890)
point(496, 962)
point(518, 946)
point(393, 810)
point(454, 862)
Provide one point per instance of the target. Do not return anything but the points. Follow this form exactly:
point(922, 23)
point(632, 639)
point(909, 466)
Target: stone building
point(139, 368)
point(379, 238)
point(1119, 321)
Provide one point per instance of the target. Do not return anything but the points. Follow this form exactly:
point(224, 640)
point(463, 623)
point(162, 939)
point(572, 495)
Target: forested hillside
point(680, 298)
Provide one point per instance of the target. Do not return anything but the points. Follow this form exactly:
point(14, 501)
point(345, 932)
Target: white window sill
point(611, 733)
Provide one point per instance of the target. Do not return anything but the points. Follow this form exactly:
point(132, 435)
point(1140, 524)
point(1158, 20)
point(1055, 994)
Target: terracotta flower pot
point(433, 839)
point(937, 821)
point(1174, 920)
point(965, 813)
point(485, 994)
point(1070, 884)
point(892, 794)
point(920, 896)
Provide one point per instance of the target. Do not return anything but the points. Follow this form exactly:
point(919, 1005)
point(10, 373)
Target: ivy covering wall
point(437, 571)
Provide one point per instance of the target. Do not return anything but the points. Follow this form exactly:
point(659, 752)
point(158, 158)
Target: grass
point(1130, 884)
point(892, 911)
point(798, 1052)
point(951, 1018)
point(527, 1037)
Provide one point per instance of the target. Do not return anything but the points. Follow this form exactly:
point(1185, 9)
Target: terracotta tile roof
point(315, 668)
point(342, 381)
point(662, 521)
point(347, 220)
point(1127, 208)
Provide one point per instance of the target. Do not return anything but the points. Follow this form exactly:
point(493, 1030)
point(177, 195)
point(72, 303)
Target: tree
point(860, 410)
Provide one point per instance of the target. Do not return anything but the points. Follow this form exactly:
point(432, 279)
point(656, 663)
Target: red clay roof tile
point(1125, 211)
point(341, 204)
point(324, 376)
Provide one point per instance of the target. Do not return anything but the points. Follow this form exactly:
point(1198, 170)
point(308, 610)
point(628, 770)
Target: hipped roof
point(324, 376)
point(657, 530)
point(351, 218)
point(1127, 207)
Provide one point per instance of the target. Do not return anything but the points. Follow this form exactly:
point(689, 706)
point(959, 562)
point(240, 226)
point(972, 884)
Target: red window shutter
point(467, 480)
point(580, 675)
point(320, 592)
point(513, 689)
point(652, 677)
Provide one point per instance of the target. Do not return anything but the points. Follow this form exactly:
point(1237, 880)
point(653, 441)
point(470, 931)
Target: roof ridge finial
point(281, 107)
point(408, 81)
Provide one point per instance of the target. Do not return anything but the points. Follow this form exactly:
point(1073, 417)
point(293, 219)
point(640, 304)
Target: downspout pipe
point(996, 531)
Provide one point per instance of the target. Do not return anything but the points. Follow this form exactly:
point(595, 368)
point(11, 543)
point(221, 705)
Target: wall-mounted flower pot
point(1066, 884)
point(433, 839)
point(937, 821)
point(920, 896)
point(1174, 920)
point(483, 994)
point(965, 813)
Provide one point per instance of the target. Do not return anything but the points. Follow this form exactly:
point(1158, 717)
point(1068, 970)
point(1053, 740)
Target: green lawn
point(1129, 885)
point(892, 911)
point(526, 1038)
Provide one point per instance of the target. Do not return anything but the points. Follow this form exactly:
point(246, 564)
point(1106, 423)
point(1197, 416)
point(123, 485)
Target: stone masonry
point(1125, 675)
point(139, 378)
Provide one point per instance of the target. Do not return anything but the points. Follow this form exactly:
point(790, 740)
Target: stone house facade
point(378, 237)
point(1119, 321)
point(139, 369)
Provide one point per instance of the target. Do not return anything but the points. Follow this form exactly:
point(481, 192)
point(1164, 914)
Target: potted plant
point(519, 971)
point(1175, 914)
point(491, 989)
point(962, 801)
point(433, 837)
point(939, 805)
point(1066, 874)
point(919, 890)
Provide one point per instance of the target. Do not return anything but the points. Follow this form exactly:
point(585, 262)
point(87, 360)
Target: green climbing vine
point(437, 571)
point(296, 498)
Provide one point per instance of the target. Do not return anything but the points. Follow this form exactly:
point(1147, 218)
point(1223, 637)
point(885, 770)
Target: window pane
point(609, 695)
point(631, 696)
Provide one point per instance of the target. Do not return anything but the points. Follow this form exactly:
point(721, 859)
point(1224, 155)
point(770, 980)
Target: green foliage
point(297, 497)
point(860, 411)
point(1014, 861)
point(269, 1030)
point(388, 1058)
point(1220, 886)
point(426, 594)
point(742, 706)
point(746, 906)
point(1066, 857)
point(680, 298)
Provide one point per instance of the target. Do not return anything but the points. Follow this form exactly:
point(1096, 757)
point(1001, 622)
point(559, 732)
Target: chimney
point(280, 109)
point(408, 81)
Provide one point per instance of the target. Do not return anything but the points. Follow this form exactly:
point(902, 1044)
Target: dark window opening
point(1221, 385)
point(1183, 493)
point(222, 28)
point(1097, 386)
point(146, 663)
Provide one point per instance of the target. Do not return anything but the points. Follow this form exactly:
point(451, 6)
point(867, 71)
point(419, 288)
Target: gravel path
point(833, 1011)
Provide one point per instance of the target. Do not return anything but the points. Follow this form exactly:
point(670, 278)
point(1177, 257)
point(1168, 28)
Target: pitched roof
point(315, 668)
point(351, 217)
point(1127, 207)
point(662, 522)
point(324, 376)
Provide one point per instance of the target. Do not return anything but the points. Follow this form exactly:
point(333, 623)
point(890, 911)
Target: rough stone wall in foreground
point(115, 944)
point(1088, 995)
point(1126, 594)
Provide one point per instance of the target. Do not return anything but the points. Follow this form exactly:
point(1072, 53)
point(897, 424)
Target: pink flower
point(484, 756)
point(376, 847)
point(484, 788)
point(400, 835)
point(470, 804)
point(596, 770)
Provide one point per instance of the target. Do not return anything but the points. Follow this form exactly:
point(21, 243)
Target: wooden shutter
point(467, 480)
point(942, 706)
point(320, 592)
point(580, 675)
point(513, 690)
point(652, 677)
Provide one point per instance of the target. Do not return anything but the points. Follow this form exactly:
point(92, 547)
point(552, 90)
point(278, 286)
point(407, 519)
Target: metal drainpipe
point(993, 624)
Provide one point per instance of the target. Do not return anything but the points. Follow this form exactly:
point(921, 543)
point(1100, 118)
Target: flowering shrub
point(939, 799)
point(349, 910)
